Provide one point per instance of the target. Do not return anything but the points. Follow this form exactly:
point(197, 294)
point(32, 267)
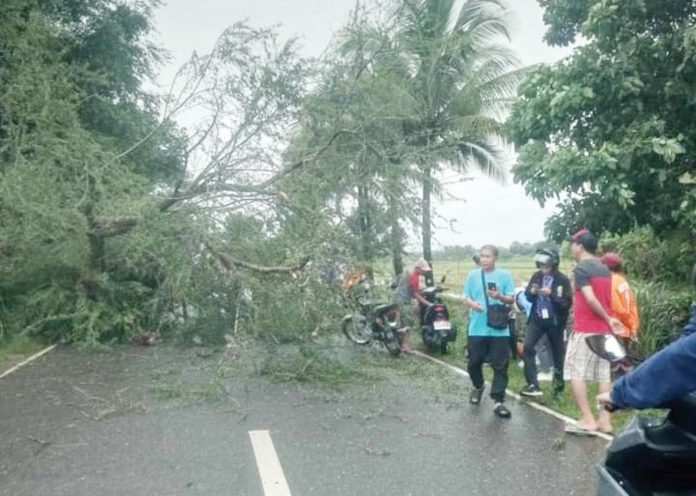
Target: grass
point(18, 347)
point(212, 389)
point(457, 272)
point(311, 367)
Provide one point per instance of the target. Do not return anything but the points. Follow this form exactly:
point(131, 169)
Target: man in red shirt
point(592, 302)
point(410, 300)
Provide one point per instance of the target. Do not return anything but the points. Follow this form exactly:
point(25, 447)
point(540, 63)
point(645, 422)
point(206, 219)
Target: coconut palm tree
point(456, 64)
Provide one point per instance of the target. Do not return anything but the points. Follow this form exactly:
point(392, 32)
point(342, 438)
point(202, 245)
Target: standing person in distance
point(551, 296)
point(408, 298)
point(592, 300)
point(488, 292)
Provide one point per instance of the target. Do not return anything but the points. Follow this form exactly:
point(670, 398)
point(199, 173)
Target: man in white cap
point(409, 299)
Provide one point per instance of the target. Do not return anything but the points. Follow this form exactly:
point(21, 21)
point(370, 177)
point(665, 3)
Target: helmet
point(547, 256)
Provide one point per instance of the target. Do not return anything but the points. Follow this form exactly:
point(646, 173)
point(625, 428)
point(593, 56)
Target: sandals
point(579, 431)
point(475, 397)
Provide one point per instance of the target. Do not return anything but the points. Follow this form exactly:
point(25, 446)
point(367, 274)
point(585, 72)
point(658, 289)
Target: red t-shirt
point(592, 273)
point(414, 282)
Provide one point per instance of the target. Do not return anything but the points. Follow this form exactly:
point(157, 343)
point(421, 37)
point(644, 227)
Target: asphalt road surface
point(161, 421)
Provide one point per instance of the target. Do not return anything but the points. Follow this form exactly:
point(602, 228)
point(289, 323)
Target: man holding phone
point(488, 292)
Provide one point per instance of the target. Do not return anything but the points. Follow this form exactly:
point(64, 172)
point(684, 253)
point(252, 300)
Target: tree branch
point(229, 263)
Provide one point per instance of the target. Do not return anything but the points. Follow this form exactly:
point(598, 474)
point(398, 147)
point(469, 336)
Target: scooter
point(649, 457)
point(437, 331)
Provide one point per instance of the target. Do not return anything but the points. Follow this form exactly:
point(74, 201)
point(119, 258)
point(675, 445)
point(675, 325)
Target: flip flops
point(578, 431)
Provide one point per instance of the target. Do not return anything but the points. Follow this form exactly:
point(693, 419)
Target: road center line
point(28, 360)
point(272, 476)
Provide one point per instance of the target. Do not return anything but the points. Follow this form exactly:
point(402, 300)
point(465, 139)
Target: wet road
point(166, 422)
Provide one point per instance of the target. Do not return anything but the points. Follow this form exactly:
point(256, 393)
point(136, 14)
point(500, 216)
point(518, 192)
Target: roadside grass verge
point(17, 348)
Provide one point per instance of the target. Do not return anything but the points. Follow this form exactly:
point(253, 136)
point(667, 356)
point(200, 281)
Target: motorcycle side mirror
point(606, 346)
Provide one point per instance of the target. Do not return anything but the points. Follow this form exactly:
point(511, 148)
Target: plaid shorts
point(582, 364)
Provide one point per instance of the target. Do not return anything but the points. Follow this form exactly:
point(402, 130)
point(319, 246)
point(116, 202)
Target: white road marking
point(512, 394)
point(28, 360)
point(272, 477)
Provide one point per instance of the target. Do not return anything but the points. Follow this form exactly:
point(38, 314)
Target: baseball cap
point(612, 260)
point(423, 265)
point(586, 239)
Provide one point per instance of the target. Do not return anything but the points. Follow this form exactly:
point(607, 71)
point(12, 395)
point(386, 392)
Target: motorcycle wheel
point(357, 328)
point(443, 348)
point(391, 341)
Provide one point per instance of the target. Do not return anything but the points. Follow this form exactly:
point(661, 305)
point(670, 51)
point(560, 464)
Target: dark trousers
point(512, 325)
point(495, 351)
point(554, 332)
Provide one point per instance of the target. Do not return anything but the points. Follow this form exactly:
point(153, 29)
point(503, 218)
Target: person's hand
point(616, 326)
point(476, 307)
point(494, 293)
point(545, 291)
point(604, 400)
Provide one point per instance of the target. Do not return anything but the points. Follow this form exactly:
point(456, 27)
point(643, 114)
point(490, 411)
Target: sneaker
point(501, 411)
point(531, 390)
point(475, 397)
point(545, 376)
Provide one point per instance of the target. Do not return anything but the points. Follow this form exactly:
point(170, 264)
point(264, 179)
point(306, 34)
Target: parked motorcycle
point(369, 320)
point(649, 457)
point(437, 331)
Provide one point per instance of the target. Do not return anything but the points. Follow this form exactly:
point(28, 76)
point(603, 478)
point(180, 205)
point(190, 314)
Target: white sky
point(492, 213)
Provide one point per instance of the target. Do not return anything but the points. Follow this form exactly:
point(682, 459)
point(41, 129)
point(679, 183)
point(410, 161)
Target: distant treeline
point(516, 249)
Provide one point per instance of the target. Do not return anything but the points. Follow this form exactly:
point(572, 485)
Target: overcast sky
point(492, 213)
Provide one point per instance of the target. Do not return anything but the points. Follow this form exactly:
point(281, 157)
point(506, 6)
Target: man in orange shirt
point(623, 300)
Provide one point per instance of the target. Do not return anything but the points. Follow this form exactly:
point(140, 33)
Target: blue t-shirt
point(478, 322)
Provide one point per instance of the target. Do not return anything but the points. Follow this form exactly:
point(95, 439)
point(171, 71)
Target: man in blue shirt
point(485, 287)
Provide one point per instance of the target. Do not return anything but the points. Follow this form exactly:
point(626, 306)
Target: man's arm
point(598, 309)
point(421, 299)
point(664, 377)
point(468, 295)
point(506, 293)
point(566, 299)
point(531, 297)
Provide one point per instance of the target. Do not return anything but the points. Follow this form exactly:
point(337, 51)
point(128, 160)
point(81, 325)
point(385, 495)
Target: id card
point(545, 313)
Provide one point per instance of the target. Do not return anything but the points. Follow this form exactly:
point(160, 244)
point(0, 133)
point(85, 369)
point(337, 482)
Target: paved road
point(155, 422)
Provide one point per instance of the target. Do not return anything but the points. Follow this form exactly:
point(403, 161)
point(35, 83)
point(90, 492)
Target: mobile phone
point(491, 286)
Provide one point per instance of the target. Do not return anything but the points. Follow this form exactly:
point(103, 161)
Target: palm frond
point(489, 157)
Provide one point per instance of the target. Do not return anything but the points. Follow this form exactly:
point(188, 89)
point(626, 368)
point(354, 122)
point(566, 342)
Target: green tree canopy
point(609, 132)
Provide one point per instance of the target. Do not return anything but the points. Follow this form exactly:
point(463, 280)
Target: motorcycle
point(437, 331)
point(370, 320)
point(649, 457)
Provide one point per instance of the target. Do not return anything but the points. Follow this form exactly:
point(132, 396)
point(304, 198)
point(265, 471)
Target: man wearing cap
point(409, 299)
point(593, 315)
point(623, 299)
